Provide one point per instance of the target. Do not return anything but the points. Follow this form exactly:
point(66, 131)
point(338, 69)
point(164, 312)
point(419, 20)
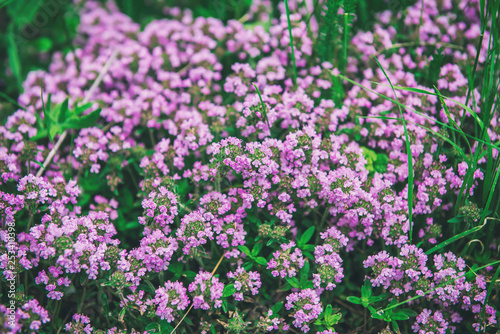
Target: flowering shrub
point(224, 170)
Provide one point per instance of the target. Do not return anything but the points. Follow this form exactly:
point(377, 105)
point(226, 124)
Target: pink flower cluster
point(222, 165)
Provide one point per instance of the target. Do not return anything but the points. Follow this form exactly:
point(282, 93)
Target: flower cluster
point(170, 300)
point(446, 286)
point(207, 291)
point(306, 307)
point(212, 140)
point(286, 263)
point(244, 282)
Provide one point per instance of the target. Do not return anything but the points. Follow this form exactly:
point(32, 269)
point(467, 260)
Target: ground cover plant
point(321, 166)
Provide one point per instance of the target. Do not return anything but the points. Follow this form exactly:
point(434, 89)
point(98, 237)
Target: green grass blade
point(488, 295)
point(264, 110)
point(14, 62)
point(5, 3)
point(491, 193)
point(437, 134)
point(415, 111)
point(454, 238)
point(432, 290)
point(11, 100)
point(422, 91)
point(410, 159)
point(291, 42)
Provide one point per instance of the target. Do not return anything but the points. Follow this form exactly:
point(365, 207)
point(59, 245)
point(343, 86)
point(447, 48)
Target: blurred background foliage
point(32, 30)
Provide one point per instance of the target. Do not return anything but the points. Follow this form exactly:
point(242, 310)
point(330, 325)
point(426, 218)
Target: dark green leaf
point(408, 312)
point(245, 250)
point(229, 290)
point(277, 307)
point(354, 300)
point(189, 274)
point(256, 249)
point(260, 260)
point(304, 273)
point(84, 121)
point(457, 219)
point(293, 281)
point(103, 299)
point(62, 112)
point(166, 328)
point(14, 62)
point(306, 236)
point(152, 327)
point(366, 289)
point(399, 316)
point(308, 247)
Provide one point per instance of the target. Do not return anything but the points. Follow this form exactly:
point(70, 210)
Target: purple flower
point(170, 300)
point(306, 307)
point(207, 291)
point(244, 282)
point(286, 262)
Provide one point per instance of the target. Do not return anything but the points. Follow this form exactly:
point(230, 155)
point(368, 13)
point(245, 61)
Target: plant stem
point(291, 43)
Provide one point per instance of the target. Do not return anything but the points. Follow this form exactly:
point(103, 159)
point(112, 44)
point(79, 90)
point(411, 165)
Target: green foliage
point(59, 118)
point(335, 31)
point(30, 31)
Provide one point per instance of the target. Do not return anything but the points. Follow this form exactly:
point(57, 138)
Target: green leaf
point(55, 129)
point(366, 289)
point(175, 267)
point(62, 112)
point(376, 315)
point(408, 312)
point(277, 307)
point(395, 326)
point(166, 328)
point(152, 327)
point(304, 272)
point(354, 300)
point(256, 248)
point(260, 260)
point(80, 109)
point(245, 250)
point(308, 247)
point(84, 121)
point(189, 274)
point(228, 291)
point(103, 299)
point(14, 62)
point(399, 316)
point(333, 319)
point(44, 44)
point(121, 314)
point(328, 310)
point(293, 281)
point(306, 236)
point(457, 219)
